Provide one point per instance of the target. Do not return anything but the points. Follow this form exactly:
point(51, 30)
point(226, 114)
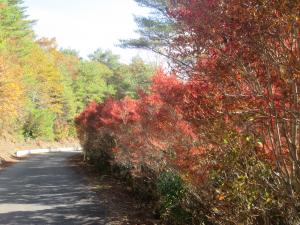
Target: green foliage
point(107, 58)
point(139, 76)
point(69, 52)
point(245, 191)
point(128, 79)
point(170, 185)
point(39, 123)
point(91, 84)
point(15, 29)
point(155, 30)
point(69, 100)
point(172, 192)
point(51, 86)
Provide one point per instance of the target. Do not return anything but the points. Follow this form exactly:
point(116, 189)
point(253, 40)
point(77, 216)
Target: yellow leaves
point(41, 68)
point(216, 210)
point(268, 200)
point(11, 90)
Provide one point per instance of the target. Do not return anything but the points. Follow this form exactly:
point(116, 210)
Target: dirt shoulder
point(120, 203)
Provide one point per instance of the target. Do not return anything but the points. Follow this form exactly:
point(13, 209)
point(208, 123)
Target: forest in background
point(216, 140)
point(43, 87)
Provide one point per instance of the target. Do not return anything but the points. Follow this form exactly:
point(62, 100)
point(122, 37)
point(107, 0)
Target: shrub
point(171, 189)
point(209, 169)
point(39, 123)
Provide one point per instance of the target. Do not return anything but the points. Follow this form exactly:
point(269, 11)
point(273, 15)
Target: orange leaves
point(129, 110)
point(221, 197)
point(168, 87)
point(110, 113)
point(41, 70)
point(11, 91)
point(146, 130)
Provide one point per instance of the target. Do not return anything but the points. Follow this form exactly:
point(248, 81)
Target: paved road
point(44, 189)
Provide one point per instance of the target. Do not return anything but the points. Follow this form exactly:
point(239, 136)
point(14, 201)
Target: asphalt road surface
point(44, 189)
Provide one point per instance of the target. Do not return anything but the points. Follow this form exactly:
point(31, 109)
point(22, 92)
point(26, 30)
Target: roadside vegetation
point(215, 141)
point(212, 139)
point(43, 87)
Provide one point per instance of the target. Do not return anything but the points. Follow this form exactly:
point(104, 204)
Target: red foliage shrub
point(237, 109)
point(148, 131)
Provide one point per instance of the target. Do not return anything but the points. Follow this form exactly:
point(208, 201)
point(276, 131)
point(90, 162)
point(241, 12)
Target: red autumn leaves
point(147, 129)
point(241, 91)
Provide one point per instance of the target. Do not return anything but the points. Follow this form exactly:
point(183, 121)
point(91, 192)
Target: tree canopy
point(43, 87)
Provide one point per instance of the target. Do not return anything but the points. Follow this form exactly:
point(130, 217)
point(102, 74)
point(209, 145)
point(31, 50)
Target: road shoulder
point(122, 207)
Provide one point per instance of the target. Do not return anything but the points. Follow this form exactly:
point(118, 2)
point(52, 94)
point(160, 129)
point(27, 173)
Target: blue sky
point(86, 25)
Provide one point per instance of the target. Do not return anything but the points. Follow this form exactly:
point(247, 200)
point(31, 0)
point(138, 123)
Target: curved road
point(44, 189)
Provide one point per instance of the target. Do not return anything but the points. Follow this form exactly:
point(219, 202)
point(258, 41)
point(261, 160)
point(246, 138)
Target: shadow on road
point(44, 189)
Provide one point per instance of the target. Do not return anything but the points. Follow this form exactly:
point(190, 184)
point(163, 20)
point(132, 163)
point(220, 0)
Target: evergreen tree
point(91, 84)
point(106, 57)
point(155, 29)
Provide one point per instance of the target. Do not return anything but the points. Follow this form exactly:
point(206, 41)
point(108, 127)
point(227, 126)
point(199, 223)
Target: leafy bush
point(230, 128)
point(63, 130)
point(172, 192)
point(221, 175)
point(243, 191)
point(39, 123)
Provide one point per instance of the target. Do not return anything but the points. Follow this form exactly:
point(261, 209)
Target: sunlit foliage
point(224, 140)
point(42, 88)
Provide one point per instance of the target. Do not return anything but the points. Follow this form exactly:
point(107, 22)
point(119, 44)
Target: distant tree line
point(43, 87)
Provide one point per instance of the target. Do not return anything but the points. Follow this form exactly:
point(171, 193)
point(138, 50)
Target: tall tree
point(157, 32)
point(106, 57)
point(138, 76)
point(91, 85)
point(12, 99)
point(15, 29)
point(15, 35)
